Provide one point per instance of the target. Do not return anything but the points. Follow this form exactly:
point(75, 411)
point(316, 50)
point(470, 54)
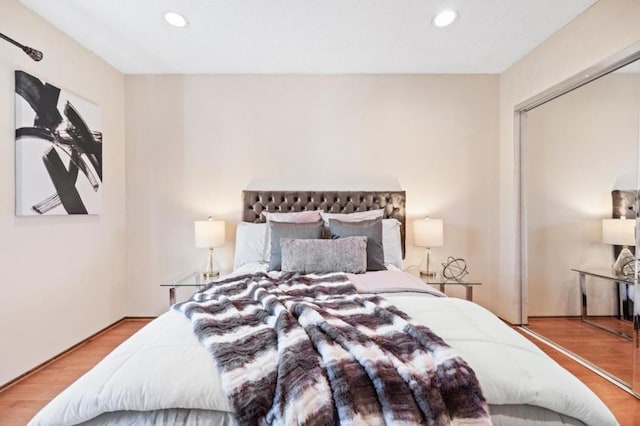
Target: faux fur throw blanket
point(310, 350)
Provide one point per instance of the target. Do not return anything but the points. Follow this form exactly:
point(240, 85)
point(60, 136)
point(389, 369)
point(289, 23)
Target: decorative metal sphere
point(454, 269)
point(628, 268)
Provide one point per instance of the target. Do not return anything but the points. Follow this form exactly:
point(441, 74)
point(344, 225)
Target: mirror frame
point(618, 60)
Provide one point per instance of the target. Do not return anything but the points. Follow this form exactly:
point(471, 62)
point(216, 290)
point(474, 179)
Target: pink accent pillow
point(390, 282)
point(293, 217)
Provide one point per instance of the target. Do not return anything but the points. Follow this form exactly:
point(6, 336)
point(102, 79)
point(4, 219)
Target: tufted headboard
point(623, 205)
point(393, 202)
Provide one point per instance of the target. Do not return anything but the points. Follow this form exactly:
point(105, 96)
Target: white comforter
point(164, 366)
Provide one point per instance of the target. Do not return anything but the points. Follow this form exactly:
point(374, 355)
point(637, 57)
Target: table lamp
point(620, 232)
point(209, 234)
point(428, 233)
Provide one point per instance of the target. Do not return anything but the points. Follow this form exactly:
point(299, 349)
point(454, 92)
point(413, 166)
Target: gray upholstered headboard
point(393, 202)
point(623, 205)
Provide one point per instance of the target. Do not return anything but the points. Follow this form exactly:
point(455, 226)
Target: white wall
point(195, 142)
point(578, 148)
point(61, 278)
point(602, 30)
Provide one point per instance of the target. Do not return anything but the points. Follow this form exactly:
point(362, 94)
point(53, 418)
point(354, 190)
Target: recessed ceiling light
point(175, 19)
point(445, 18)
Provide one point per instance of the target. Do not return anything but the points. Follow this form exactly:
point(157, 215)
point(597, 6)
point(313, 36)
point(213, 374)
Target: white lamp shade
point(428, 232)
point(619, 232)
point(209, 233)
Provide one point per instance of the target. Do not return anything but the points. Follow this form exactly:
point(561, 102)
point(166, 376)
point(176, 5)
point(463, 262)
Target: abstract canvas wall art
point(58, 150)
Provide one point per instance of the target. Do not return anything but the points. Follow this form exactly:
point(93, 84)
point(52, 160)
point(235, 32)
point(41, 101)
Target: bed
point(163, 374)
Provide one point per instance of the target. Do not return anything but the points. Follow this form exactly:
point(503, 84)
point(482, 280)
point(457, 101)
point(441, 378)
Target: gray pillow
point(372, 229)
point(322, 256)
point(290, 230)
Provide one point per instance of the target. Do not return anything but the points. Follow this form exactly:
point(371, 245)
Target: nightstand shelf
point(624, 305)
point(468, 285)
point(191, 279)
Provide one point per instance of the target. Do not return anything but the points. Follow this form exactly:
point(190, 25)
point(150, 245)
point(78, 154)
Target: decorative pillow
point(372, 229)
point(322, 256)
point(352, 217)
point(289, 217)
point(293, 217)
point(290, 230)
point(392, 242)
point(249, 243)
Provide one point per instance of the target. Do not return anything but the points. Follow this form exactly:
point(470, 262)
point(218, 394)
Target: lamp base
point(624, 263)
point(210, 270)
point(425, 268)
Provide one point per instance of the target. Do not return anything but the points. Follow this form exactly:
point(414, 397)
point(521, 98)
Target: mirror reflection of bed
point(579, 163)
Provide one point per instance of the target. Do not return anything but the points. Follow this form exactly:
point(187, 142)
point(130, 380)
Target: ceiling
point(309, 36)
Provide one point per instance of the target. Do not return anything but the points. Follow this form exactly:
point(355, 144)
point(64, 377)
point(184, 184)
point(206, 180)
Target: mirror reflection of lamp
point(428, 233)
point(620, 232)
point(209, 234)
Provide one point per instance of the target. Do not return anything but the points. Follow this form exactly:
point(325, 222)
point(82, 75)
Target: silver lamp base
point(428, 273)
point(624, 264)
point(210, 270)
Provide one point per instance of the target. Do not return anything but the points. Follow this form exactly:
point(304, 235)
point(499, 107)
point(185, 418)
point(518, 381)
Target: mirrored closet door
point(579, 185)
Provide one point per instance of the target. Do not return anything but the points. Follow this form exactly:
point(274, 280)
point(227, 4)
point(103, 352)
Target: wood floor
point(20, 402)
point(598, 346)
point(609, 351)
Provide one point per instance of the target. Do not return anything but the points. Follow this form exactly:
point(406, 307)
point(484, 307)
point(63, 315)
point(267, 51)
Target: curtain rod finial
point(34, 54)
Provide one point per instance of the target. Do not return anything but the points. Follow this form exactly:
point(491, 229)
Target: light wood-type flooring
point(599, 347)
point(607, 350)
point(20, 402)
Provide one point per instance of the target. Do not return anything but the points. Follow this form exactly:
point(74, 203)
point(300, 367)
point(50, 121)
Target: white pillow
point(391, 242)
point(351, 217)
point(250, 239)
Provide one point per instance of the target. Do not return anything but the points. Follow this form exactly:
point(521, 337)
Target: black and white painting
point(58, 150)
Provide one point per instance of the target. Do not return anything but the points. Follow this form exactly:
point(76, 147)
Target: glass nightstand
point(624, 302)
point(191, 279)
point(439, 281)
